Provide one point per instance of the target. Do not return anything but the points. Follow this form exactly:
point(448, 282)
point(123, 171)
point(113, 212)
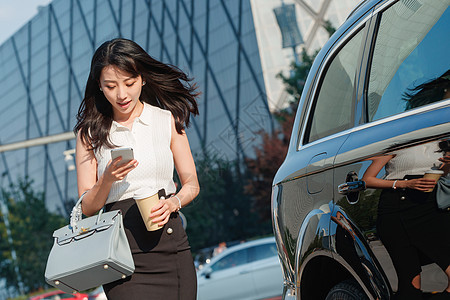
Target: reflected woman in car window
point(428, 92)
point(412, 229)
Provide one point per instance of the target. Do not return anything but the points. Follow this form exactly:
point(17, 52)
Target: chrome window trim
point(358, 6)
point(426, 108)
point(419, 110)
point(383, 6)
point(326, 61)
point(327, 138)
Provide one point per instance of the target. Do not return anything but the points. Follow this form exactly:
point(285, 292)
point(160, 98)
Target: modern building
point(277, 51)
point(233, 49)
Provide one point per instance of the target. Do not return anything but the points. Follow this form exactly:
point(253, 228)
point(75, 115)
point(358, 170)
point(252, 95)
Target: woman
point(133, 100)
point(409, 224)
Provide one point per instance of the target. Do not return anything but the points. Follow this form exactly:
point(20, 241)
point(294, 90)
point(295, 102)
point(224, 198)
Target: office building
point(233, 49)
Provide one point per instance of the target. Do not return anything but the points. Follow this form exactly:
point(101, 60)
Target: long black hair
point(428, 92)
point(166, 87)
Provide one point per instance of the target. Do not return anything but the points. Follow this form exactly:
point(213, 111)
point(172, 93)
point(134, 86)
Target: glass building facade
point(44, 67)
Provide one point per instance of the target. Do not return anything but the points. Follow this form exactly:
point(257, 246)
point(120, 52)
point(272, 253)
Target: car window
point(231, 260)
point(334, 106)
point(410, 66)
point(262, 251)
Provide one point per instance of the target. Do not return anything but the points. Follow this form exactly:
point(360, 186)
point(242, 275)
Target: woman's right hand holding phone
point(115, 171)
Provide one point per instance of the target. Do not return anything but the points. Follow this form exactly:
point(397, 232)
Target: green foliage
point(329, 28)
point(21, 297)
point(269, 156)
point(295, 82)
point(221, 212)
point(272, 151)
point(31, 227)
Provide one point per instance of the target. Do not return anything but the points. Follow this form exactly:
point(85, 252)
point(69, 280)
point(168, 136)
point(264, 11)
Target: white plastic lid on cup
point(144, 192)
point(433, 171)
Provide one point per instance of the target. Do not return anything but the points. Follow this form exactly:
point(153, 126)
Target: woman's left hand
point(160, 213)
point(446, 158)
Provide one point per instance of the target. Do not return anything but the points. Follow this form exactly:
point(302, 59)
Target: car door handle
point(244, 272)
point(351, 187)
point(352, 184)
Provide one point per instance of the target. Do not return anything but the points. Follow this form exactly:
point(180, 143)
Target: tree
point(271, 152)
point(221, 212)
point(31, 227)
point(295, 82)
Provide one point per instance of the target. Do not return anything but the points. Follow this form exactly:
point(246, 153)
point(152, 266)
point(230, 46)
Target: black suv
point(352, 212)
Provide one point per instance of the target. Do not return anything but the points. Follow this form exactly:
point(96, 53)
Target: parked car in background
point(97, 294)
point(59, 295)
point(203, 256)
point(378, 92)
point(250, 270)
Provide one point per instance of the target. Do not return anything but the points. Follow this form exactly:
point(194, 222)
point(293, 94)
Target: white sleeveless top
point(150, 139)
point(413, 161)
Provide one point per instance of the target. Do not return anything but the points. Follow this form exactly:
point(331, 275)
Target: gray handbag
point(443, 193)
point(89, 252)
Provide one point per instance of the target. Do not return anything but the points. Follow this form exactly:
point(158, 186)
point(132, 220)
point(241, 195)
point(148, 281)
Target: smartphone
point(126, 153)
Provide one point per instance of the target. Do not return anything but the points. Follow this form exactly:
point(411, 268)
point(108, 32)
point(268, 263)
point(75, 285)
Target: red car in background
point(58, 295)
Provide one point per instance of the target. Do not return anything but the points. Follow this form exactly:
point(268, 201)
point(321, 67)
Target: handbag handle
point(77, 214)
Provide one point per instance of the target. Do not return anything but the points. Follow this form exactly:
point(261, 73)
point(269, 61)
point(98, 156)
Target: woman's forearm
point(377, 183)
point(188, 192)
point(95, 198)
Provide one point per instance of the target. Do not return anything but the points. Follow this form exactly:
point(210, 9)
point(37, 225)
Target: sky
point(16, 13)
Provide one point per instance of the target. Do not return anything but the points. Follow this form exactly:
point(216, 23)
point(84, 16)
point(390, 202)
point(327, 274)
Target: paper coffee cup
point(145, 199)
point(433, 174)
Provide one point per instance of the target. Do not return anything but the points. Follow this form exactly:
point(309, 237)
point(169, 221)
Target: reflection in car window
point(262, 251)
point(333, 111)
point(231, 260)
point(410, 66)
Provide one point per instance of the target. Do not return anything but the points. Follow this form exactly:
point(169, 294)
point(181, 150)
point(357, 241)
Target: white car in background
point(97, 294)
point(250, 270)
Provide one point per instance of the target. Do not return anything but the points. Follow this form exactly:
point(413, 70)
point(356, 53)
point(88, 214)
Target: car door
point(266, 270)
point(228, 278)
point(304, 183)
point(405, 109)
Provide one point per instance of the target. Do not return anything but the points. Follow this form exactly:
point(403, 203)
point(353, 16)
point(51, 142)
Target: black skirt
point(415, 233)
point(163, 260)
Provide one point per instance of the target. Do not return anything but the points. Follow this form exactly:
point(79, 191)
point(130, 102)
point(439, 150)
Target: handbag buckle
point(83, 230)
